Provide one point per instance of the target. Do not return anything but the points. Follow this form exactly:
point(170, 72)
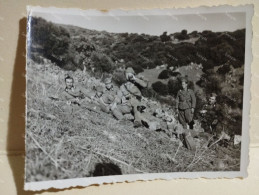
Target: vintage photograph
point(135, 93)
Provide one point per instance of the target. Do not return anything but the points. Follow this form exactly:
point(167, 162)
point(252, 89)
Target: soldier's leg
point(189, 117)
point(104, 108)
point(137, 115)
point(120, 110)
point(117, 113)
point(181, 117)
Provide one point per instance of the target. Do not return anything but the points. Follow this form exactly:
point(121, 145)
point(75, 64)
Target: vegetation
point(216, 65)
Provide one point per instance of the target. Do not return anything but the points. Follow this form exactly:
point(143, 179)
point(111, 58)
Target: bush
point(184, 32)
point(176, 74)
point(54, 40)
point(224, 69)
point(174, 86)
point(102, 62)
point(160, 88)
point(164, 37)
point(165, 74)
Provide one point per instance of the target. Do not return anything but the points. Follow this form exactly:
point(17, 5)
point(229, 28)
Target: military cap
point(107, 80)
point(213, 95)
point(184, 79)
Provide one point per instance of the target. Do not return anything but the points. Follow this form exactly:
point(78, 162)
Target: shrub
point(165, 74)
point(224, 69)
point(174, 86)
point(102, 62)
point(54, 40)
point(160, 88)
point(164, 37)
point(176, 74)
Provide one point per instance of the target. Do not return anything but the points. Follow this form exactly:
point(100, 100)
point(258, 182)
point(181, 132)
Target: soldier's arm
point(177, 100)
point(64, 96)
point(193, 99)
point(141, 82)
point(218, 112)
point(87, 92)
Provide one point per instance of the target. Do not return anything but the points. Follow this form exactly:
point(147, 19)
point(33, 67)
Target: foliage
point(164, 37)
point(165, 74)
point(160, 88)
point(174, 86)
point(52, 39)
point(102, 62)
point(220, 54)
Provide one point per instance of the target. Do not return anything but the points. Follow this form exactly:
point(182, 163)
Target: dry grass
point(61, 145)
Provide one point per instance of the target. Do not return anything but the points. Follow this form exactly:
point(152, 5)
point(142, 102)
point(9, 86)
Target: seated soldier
point(122, 104)
point(107, 99)
point(126, 102)
point(73, 94)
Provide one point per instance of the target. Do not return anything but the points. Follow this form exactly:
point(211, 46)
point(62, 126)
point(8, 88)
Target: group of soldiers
point(127, 103)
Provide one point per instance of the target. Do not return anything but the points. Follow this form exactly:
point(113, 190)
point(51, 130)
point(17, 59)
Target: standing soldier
point(185, 105)
point(212, 119)
point(211, 114)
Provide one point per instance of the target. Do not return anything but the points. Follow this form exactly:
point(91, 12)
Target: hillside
point(86, 141)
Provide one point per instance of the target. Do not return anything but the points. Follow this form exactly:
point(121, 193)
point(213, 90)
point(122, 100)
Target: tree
point(184, 32)
point(164, 37)
point(165, 74)
point(54, 40)
point(174, 86)
point(102, 62)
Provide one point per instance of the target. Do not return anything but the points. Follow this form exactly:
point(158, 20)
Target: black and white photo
point(136, 95)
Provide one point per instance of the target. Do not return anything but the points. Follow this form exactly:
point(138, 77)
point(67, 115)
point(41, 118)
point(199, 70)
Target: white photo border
point(249, 10)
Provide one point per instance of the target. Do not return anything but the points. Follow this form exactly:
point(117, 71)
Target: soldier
point(122, 104)
point(132, 89)
point(212, 119)
point(185, 105)
point(73, 94)
point(138, 81)
point(107, 99)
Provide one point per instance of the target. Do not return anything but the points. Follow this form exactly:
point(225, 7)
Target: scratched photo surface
point(128, 94)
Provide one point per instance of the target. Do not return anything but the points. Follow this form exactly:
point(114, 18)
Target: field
point(85, 141)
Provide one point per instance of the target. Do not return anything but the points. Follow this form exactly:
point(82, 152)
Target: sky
point(150, 24)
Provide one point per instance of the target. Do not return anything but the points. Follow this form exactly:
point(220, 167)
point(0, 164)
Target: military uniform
point(106, 100)
point(138, 80)
point(212, 119)
point(185, 101)
point(123, 105)
point(75, 93)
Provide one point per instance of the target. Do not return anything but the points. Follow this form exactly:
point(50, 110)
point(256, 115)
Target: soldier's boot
point(137, 117)
point(104, 108)
point(191, 124)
